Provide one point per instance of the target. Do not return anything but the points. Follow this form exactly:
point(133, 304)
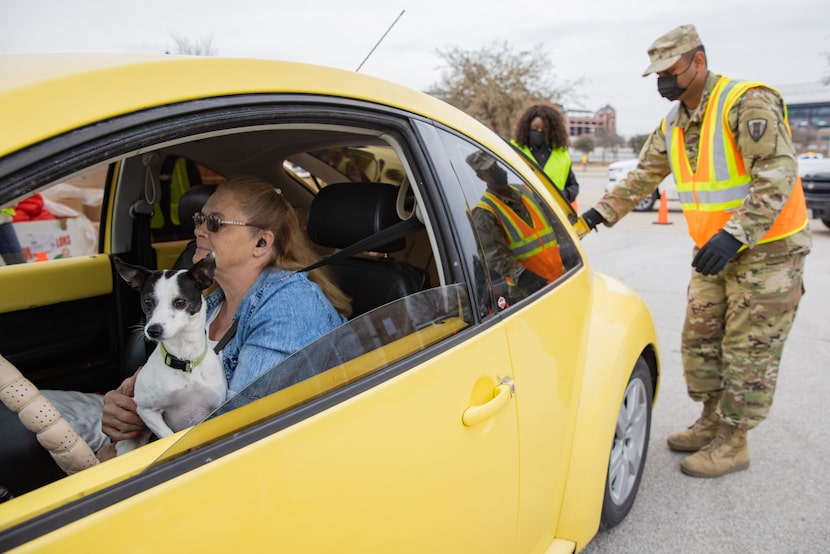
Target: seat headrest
point(191, 202)
point(343, 213)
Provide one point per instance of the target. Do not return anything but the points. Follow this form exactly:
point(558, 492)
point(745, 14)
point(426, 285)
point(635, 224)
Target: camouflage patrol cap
point(666, 50)
point(480, 161)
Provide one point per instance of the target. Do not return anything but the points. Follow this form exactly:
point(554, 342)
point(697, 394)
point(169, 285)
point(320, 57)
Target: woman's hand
point(120, 420)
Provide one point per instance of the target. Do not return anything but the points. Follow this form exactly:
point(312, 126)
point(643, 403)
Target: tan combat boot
point(727, 452)
point(701, 432)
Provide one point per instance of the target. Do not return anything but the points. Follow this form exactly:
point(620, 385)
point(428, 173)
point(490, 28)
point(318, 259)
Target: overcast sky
point(603, 42)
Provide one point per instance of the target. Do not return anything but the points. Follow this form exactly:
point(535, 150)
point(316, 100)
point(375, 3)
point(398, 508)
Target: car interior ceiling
point(229, 152)
point(254, 152)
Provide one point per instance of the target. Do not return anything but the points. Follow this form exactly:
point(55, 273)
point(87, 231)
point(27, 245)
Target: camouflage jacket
point(770, 161)
point(493, 238)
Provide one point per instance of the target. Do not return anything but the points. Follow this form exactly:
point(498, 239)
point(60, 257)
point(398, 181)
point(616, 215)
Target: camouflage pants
point(735, 328)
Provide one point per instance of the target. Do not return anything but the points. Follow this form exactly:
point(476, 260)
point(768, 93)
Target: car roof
point(43, 95)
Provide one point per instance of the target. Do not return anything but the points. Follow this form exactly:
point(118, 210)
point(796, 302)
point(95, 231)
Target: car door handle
point(481, 412)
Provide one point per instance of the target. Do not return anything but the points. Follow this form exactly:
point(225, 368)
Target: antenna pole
point(379, 41)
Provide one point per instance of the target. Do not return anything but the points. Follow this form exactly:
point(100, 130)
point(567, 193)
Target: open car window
point(61, 221)
point(362, 347)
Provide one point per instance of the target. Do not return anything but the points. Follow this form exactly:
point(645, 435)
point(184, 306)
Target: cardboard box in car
point(52, 239)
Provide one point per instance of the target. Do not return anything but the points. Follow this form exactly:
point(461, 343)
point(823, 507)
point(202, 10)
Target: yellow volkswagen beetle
point(458, 410)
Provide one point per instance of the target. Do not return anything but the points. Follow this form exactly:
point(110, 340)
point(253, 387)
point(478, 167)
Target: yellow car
point(458, 410)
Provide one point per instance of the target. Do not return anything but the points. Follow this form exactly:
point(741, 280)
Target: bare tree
point(585, 144)
point(608, 141)
point(496, 84)
point(636, 143)
point(202, 47)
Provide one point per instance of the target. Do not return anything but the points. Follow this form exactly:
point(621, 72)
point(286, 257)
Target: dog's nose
point(154, 331)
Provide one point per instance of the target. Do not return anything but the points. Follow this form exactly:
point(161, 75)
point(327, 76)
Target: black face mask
point(538, 139)
point(667, 85)
point(499, 176)
point(668, 88)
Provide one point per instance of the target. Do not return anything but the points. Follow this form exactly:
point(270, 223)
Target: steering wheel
point(54, 433)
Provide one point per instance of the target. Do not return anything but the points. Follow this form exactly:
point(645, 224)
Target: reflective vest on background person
point(534, 247)
point(556, 167)
point(178, 179)
point(711, 194)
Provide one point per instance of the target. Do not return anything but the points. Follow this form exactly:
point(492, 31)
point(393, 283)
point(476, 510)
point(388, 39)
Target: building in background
point(586, 122)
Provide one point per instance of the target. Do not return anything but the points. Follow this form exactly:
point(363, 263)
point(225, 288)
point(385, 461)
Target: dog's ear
point(204, 271)
point(134, 275)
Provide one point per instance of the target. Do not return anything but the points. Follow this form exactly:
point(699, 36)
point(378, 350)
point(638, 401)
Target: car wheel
point(628, 452)
point(826, 221)
point(648, 203)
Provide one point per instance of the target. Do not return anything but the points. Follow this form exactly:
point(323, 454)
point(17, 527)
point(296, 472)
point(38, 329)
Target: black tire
point(648, 203)
point(630, 446)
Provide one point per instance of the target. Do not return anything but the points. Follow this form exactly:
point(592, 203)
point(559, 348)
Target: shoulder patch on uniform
point(756, 128)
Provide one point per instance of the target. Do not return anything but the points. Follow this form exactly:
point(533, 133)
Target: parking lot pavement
point(780, 504)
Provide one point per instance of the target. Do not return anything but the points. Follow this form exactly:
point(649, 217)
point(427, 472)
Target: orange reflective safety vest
point(534, 246)
point(711, 194)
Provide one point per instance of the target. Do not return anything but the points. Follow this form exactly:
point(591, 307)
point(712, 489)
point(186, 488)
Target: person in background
point(339, 159)
point(728, 145)
point(542, 135)
point(10, 250)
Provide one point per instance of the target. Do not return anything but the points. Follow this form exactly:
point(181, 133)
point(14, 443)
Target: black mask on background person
point(538, 139)
point(668, 88)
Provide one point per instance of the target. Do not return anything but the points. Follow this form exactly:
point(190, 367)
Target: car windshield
point(361, 347)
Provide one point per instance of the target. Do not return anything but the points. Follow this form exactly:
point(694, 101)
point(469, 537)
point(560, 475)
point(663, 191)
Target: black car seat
point(344, 213)
point(191, 202)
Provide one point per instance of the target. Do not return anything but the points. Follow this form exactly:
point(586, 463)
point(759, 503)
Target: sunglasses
point(214, 223)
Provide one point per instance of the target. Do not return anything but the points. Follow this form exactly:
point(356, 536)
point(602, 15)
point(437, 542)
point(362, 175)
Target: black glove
point(592, 218)
point(530, 281)
point(713, 256)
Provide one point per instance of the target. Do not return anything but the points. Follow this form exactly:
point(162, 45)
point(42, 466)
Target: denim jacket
point(282, 312)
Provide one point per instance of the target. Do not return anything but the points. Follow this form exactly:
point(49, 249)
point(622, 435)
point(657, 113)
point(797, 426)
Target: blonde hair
point(265, 207)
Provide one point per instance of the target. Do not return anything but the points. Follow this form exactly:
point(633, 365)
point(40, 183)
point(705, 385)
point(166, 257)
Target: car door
point(395, 468)
point(420, 456)
point(544, 331)
point(57, 305)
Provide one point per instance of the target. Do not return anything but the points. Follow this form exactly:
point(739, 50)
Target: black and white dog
point(182, 381)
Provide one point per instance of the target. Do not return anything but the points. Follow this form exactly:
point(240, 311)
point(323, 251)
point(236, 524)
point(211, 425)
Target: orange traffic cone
point(663, 211)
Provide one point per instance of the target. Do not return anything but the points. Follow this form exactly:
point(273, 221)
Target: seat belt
point(226, 337)
point(396, 231)
point(141, 211)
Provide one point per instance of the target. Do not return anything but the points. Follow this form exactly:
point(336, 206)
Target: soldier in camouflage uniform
point(746, 281)
point(501, 261)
